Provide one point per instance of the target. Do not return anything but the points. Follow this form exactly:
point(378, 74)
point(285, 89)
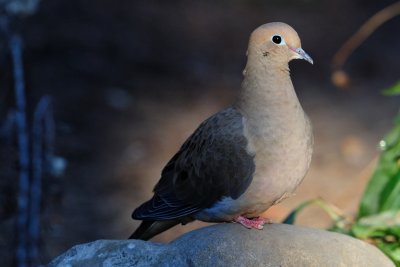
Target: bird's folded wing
point(211, 164)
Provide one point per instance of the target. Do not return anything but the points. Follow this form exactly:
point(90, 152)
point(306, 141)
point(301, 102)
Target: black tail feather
point(149, 229)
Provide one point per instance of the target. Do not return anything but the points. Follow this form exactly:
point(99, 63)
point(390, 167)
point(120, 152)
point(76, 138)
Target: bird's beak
point(301, 54)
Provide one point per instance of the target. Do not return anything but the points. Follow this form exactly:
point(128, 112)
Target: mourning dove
point(244, 159)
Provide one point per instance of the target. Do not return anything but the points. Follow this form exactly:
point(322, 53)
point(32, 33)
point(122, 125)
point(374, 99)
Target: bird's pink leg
point(257, 223)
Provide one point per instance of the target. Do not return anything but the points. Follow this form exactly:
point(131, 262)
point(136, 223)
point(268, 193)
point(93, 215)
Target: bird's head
point(276, 43)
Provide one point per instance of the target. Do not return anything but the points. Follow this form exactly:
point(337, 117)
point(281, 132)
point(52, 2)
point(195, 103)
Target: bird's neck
point(267, 91)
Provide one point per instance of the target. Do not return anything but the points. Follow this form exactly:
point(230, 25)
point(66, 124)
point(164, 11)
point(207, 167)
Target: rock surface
point(231, 245)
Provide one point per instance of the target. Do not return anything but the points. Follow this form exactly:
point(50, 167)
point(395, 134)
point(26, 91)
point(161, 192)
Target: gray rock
point(231, 245)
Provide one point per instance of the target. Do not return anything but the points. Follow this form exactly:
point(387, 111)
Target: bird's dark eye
point(276, 39)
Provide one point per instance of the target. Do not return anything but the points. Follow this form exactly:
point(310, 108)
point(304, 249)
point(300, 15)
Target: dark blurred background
point(130, 80)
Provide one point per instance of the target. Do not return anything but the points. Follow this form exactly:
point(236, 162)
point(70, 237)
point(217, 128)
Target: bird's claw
point(256, 223)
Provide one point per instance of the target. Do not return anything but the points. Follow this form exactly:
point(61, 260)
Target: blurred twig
point(339, 77)
point(15, 45)
point(365, 30)
point(30, 186)
point(42, 148)
point(30, 180)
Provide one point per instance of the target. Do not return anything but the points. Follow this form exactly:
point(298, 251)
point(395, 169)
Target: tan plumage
point(246, 158)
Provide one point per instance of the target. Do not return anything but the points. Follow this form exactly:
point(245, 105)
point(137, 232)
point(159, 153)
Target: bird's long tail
point(148, 229)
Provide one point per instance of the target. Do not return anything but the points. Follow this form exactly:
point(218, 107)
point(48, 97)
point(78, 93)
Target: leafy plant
point(394, 90)
point(378, 218)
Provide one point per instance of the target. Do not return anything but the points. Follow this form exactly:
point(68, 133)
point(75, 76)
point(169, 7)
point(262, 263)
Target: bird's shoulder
point(224, 126)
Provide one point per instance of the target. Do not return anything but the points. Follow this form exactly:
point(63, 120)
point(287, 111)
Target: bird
point(244, 159)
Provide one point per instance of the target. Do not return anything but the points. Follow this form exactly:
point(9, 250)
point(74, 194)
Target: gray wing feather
point(211, 164)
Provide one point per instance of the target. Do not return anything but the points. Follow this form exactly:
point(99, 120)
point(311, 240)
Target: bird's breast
point(282, 157)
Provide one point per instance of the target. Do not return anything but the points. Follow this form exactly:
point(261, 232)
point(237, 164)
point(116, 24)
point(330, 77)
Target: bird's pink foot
point(262, 219)
point(257, 223)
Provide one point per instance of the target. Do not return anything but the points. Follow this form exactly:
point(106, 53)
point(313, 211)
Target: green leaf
point(331, 210)
point(390, 198)
point(394, 90)
point(383, 190)
point(370, 201)
point(292, 216)
point(381, 225)
point(392, 250)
